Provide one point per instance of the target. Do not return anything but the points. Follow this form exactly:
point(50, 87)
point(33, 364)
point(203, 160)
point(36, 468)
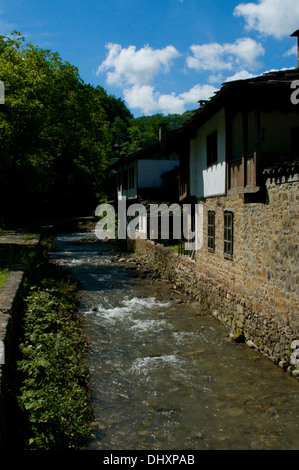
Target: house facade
point(244, 162)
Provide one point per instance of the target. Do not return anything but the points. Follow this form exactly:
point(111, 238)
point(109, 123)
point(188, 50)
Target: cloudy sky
point(160, 56)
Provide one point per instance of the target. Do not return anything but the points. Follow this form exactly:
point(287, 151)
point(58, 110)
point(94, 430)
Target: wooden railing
point(236, 174)
point(250, 170)
point(242, 172)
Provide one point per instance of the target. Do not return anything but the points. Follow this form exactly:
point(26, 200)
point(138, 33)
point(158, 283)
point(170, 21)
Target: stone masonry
point(254, 294)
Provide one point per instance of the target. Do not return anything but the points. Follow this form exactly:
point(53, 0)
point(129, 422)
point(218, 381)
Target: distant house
point(150, 175)
point(150, 172)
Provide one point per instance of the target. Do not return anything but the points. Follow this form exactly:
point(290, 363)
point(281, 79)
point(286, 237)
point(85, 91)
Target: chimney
point(202, 103)
point(296, 35)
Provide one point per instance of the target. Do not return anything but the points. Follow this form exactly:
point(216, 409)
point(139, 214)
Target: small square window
point(211, 231)
point(228, 234)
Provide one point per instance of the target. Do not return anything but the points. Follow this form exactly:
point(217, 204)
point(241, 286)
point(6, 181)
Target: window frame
point(228, 234)
point(211, 231)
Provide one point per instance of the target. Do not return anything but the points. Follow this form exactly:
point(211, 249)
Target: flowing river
point(163, 375)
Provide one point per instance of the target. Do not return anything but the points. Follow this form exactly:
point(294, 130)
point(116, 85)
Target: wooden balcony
point(242, 175)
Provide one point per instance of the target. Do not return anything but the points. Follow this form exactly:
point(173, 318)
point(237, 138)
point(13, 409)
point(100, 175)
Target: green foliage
point(144, 131)
point(54, 387)
point(52, 370)
point(56, 133)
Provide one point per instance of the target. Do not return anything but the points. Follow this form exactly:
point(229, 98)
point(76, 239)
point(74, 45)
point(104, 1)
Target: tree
point(56, 133)
point(144, 131)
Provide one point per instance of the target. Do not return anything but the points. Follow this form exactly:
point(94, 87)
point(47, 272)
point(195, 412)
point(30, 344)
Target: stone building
point(243, 169)
point(239, 170)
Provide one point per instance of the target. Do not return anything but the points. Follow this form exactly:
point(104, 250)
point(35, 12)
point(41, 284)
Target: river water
point(163, 375)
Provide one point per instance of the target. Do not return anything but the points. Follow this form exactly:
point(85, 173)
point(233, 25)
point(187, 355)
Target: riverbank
point(53, 388)
point(44, 375)
point(16, 248)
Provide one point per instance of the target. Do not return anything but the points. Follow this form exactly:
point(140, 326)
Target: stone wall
point(254, 294)
point(9, 322)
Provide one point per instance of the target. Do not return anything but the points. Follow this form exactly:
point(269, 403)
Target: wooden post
point(257, 153)
point(228, 145)
point(296, 34)
point(245, 145)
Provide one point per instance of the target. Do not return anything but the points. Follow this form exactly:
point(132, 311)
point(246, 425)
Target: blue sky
point(160, 56)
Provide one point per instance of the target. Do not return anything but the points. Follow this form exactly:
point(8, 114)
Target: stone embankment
point(243, 324)
point(10, 296)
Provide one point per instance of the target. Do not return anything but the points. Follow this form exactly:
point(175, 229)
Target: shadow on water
point(165, 376)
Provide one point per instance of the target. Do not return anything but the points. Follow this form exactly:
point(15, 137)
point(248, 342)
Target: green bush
point(54, 390)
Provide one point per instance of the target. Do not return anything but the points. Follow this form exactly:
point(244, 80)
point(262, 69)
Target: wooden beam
point(296, 34)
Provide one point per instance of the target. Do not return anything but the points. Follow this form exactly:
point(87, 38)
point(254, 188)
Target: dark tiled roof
point(265, 83)
point(239, 90)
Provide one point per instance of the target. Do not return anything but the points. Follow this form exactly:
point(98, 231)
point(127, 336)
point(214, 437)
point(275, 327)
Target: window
point(131, 177)
point(228, 234)
point(212, 148)
point(211, 231)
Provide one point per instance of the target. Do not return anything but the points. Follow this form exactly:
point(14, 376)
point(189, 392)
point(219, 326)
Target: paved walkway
point(12, 245)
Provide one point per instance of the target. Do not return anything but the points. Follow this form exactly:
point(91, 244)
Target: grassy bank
point(13, 249)
point(53, 393)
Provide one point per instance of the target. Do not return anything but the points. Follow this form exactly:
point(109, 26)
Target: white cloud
point(216, 78)
point(135, 70)
point(207, 57)
point(141, 97)
point(150, 101)
point(198, 92)
point(243, 52)
point(276, 18)
point(292, 51)
point(242, 75)
point(136, 67)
